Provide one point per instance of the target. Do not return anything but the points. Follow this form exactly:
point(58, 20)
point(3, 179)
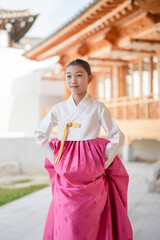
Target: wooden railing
point(126, 108)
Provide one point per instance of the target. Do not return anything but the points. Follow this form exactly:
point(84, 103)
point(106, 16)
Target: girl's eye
point(68, 76)
point(79, 75)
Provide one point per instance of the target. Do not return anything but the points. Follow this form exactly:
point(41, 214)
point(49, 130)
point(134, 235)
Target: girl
point(89, 182)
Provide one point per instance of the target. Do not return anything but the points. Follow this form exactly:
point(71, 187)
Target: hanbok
point(89, 202)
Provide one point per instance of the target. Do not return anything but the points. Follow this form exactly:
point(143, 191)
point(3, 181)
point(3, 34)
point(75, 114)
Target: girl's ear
point(90, 78)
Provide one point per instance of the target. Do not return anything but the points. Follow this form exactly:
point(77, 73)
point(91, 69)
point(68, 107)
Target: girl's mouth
point(74, 86)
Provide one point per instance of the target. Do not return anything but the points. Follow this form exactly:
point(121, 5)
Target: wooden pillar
point(67, 93)
point(151, 75)
point(103, 78)
point(115, 81)
point(112, 86)
point(158, 69)
point(93, 87)
point(122, 72)
point(124, 86)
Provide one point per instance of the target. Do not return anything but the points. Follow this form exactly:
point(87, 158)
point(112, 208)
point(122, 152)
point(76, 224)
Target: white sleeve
point(115, 136)
point(43, 131)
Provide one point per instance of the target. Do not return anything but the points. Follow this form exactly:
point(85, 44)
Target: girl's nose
point(74, 80)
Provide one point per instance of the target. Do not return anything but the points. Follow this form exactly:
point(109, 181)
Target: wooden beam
point(152, 41)
point(54, 78)
point(112, 36)
point(150, 5)
point(63, 60)
point(80, 30)
point(155, 18)
point(97, 45)
point(130, 51)
point(137, 27)
point(105, 61)
point(83, 49)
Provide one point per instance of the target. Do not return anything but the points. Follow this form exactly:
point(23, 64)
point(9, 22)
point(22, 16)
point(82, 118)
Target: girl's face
point(77, 79)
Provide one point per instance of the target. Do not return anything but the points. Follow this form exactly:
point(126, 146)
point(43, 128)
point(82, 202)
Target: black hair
point(82, 63)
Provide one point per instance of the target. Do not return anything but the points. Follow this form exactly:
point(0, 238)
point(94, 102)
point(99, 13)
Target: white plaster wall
point(21, 111)
point(22, 97)
point(21, 105)
point(50, 88)
point(30, 95)
point(20, 116)
point(22, 94)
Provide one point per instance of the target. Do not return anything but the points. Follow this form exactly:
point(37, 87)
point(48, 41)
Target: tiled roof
point(13, 14)
point(80, 13)
point(19, 22)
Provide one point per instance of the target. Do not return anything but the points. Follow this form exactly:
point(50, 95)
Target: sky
point(53, 13)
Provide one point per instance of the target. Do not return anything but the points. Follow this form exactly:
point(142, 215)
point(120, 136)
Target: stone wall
point(146, 150)
point(21, 155)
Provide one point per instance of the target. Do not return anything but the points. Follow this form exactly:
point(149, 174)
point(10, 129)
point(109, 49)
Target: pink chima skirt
point(89, 202)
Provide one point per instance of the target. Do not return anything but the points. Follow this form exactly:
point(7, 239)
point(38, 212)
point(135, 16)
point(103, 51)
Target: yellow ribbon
point(77, 125)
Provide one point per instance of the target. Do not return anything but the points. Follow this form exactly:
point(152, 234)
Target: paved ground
point(25, 218)
point(144, 207)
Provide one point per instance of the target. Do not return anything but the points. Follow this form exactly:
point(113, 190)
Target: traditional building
point(14, 25)
point(121, 41)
